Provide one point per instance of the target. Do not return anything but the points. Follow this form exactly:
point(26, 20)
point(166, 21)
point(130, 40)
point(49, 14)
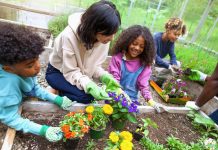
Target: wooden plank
point(27, 9)
point(9, 137)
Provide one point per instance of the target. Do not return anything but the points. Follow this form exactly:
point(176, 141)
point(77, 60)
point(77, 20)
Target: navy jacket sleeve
point(158, 60)
point(172, 55)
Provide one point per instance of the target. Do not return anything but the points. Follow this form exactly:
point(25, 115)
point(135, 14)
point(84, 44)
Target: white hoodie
point(77, 64)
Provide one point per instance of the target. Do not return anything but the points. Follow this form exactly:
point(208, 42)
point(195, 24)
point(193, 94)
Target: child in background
point(19, 65)
point(131, 64)
point(165, 43)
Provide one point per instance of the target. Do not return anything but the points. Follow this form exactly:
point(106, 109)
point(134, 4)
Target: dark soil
point(169, 124)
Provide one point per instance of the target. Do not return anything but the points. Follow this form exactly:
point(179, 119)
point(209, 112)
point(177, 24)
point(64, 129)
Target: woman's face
point(104, 38)
point(136, 48)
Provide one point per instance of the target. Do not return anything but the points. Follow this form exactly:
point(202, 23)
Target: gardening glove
point(175, 67)
point(64, 102)
point(53, 134)
point(192, 105)
point(96, 92)
point(196, 75)
point(110, 82)
point(171, 69)
point(155, 105)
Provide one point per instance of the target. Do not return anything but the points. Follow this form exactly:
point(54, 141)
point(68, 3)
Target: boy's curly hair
point(17, 44)
point(129, 35)
point(176, 24)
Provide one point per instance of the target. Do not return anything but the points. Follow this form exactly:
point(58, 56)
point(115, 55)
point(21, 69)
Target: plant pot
point(137, 136)
point(71, 144)
point(96, 134)
point(118, 124)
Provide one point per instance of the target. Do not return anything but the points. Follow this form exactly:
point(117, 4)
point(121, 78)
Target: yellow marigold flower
point(126, 145)
point(89, 109)
point(114, 137)
point(107, 109)
point(126, 135)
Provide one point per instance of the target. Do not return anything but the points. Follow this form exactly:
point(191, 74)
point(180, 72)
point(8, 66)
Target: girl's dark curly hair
point(17, 44)
point(100, 17)
point(129, 35)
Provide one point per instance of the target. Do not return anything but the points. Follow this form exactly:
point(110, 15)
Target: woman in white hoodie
point(79, 51)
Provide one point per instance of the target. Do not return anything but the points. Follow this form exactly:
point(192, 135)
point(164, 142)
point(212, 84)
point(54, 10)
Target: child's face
point(173, 35)
point(136, 47)
point(27, 68)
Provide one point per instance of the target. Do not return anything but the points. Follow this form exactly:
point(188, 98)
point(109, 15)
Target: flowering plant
point(123, 107)
point(74, 125)
point(174, 88)
point(120, 140)
point(98, 116)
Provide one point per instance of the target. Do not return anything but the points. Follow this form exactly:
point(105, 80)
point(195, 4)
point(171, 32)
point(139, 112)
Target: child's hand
point(111, 83)
point(53, 134)
point(155, 105)
point(64, 102)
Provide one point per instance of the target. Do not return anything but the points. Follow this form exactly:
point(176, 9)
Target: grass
point(195, 58)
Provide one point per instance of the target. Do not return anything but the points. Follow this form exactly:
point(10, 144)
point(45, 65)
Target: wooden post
point(9, 138)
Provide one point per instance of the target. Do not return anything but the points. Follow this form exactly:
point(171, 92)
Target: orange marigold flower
point(81, 122)
point(73, 134)
point(90, 116)
point(85, 130)
point(65, 128)
point(67, 135)
point(71, 114)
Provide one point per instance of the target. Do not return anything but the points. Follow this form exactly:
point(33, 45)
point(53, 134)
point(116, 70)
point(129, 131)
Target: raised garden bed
point(169, 124)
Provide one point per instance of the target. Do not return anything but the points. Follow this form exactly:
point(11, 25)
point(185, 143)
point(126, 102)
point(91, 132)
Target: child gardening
point(165, 43)
point(19, 65)
point(131, 64)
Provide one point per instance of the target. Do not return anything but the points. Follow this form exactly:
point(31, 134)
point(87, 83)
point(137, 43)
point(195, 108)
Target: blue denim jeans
point(214, 116)
point(57, 81)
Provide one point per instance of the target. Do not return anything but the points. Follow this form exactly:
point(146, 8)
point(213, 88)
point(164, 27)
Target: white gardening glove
point(171, 69)
point(192, 105)
point(155, 105)
point(52, 134)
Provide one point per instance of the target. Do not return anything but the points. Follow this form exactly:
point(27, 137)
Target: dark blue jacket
point(162, 49)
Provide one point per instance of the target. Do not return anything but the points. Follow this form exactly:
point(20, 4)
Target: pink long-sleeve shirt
point(132, 66)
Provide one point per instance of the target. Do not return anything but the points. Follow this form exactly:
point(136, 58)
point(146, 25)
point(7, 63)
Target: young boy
point(164, 43)
point(19, 65)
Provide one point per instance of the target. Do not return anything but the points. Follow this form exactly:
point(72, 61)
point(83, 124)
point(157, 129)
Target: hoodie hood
point(74, 21)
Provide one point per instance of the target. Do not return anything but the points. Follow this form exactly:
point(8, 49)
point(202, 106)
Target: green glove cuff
point(43, 130)
point(58, 101)
point(104, 78)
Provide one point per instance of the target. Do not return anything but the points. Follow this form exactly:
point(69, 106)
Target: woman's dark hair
point(131, 34)
point(176, 24)
point(101, 17)
point(17, 44)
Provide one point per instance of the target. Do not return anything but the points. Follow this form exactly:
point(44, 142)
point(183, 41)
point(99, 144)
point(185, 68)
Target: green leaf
point(116, 116)
point(131, 118)
point(145, 133)
point(204, 121)
point(124, 110)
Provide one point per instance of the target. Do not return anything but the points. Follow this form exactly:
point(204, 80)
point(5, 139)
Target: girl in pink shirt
point(134, 53)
